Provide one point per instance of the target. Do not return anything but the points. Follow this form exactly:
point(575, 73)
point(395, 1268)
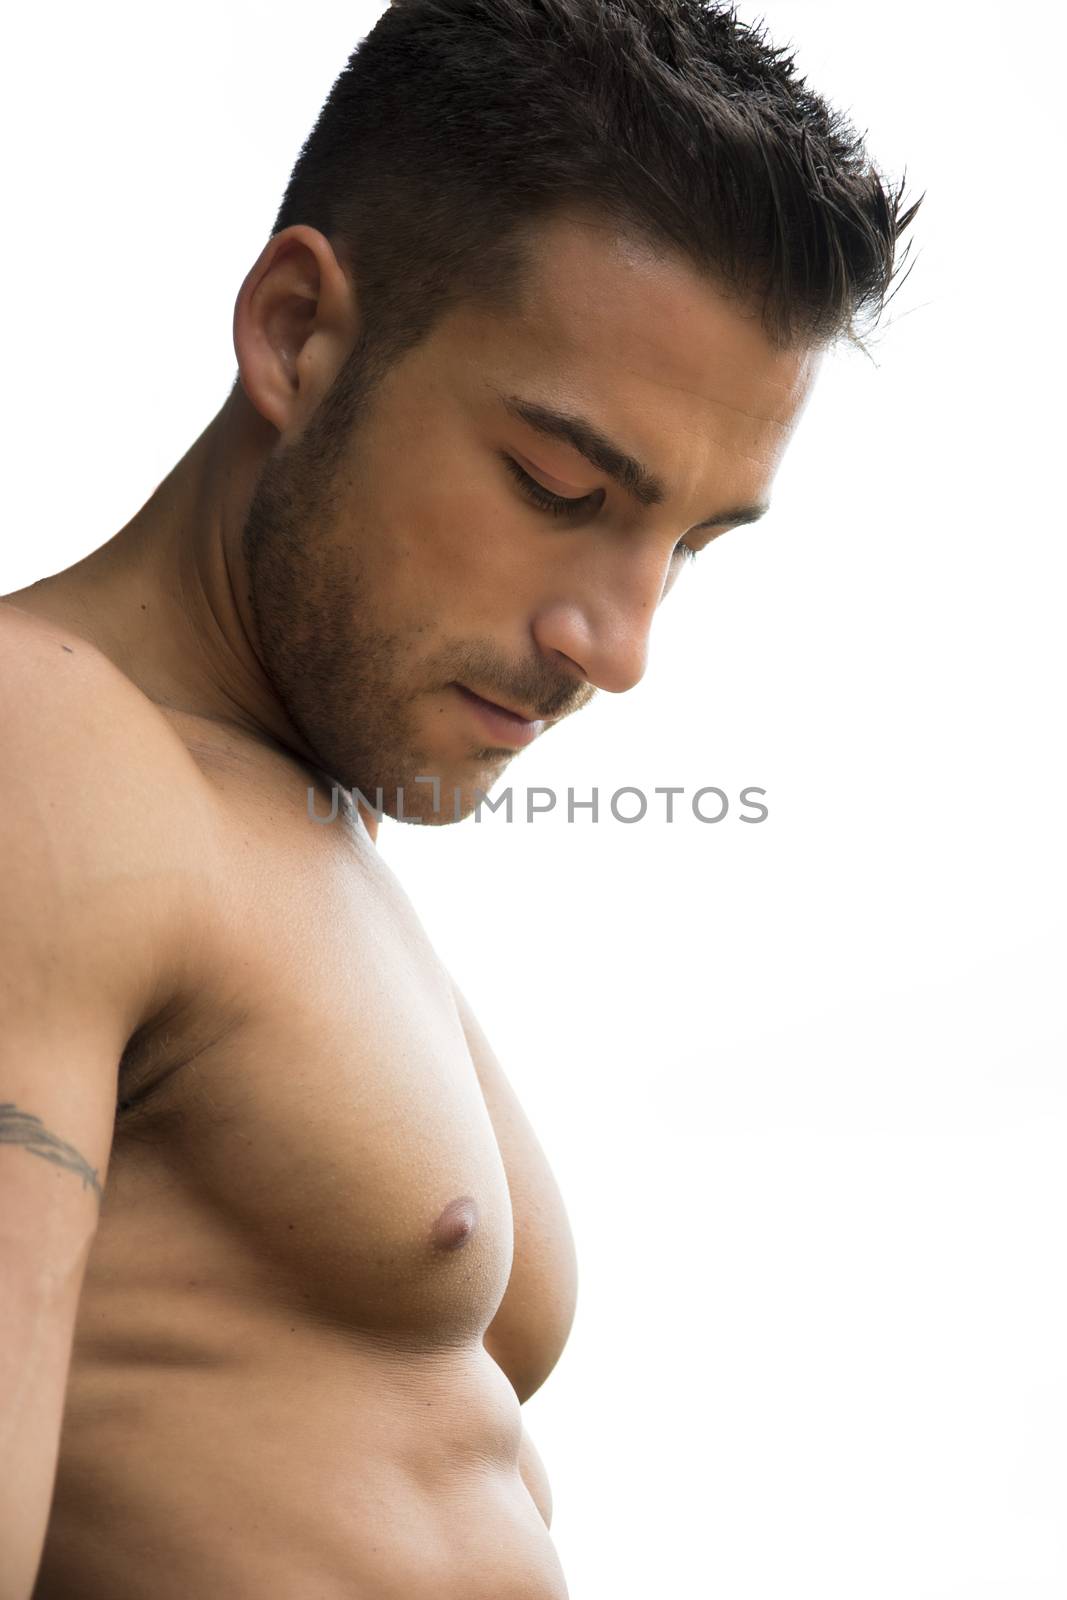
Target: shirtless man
point(281, 1255)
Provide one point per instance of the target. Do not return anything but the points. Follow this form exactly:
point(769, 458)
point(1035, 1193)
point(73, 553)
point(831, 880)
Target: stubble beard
point(338, 675)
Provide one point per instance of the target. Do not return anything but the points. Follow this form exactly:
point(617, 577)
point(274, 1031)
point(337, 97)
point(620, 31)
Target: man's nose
point(602, 618)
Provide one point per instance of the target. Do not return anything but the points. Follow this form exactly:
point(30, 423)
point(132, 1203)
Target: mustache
point(549, 705)
point(549, 696)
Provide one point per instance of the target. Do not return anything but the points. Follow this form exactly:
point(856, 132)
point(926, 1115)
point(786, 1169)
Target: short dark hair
point(457, 125)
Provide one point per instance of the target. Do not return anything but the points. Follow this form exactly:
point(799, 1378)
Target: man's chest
point(320, 1101)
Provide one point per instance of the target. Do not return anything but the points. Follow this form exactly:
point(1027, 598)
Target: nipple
point(455, 1224)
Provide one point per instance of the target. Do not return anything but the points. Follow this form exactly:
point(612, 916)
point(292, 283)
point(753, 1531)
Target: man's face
point(396, 563)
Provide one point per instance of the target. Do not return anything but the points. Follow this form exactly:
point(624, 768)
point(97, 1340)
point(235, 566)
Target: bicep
point(55, 1139)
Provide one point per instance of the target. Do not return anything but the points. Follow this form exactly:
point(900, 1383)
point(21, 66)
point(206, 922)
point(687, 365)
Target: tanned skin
point(282, 1254)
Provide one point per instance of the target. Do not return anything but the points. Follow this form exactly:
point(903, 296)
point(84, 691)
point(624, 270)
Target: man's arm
point(82, 905)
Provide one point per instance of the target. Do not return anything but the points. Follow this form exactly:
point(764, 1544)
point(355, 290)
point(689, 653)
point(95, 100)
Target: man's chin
point(436, 800)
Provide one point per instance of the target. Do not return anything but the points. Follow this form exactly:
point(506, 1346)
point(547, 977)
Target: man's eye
point(557, 504)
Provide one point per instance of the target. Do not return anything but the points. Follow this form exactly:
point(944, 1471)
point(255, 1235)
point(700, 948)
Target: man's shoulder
point(101, 807)
point(61, 696)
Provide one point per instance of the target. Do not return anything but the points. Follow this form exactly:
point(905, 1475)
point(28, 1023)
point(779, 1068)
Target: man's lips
point(498, 705)
point(510, 727)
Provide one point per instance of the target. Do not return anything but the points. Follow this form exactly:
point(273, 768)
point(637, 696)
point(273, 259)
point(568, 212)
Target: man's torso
point(279, 1385)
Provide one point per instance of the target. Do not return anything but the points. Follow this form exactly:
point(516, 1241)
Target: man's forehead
point(606, 315)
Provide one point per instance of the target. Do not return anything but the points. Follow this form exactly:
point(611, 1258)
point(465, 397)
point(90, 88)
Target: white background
point(803, 1082)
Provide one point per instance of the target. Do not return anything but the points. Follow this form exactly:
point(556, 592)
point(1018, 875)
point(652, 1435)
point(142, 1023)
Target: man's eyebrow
point(600, 451)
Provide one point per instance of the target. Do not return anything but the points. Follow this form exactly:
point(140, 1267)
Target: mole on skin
point(455, 1224)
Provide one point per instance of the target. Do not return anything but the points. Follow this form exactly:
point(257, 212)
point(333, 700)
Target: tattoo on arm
point(20, 1127)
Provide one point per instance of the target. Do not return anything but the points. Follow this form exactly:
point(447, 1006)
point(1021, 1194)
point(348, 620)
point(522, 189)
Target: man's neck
point(163, 597)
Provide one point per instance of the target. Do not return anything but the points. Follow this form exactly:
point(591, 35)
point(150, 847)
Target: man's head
point(627, 213)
